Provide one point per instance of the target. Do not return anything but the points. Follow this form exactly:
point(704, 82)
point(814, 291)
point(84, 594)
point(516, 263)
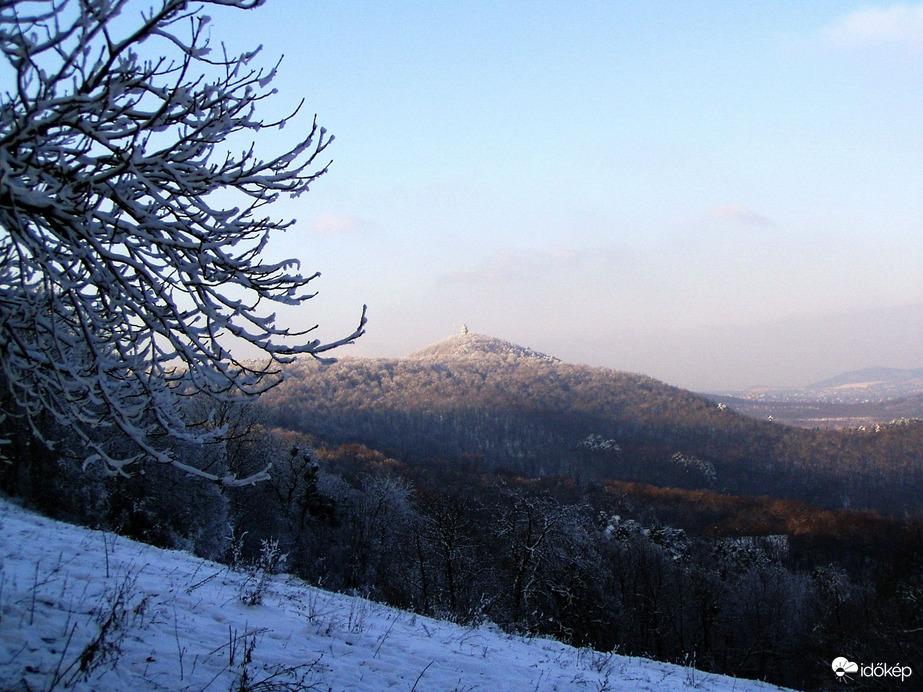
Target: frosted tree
point(133, 220)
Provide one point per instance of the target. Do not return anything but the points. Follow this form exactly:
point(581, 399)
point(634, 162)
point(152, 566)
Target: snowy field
point(88, 610)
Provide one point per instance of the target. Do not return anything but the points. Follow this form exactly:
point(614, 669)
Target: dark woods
point(753, 587)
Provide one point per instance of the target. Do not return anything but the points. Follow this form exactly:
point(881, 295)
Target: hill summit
point(470, 345)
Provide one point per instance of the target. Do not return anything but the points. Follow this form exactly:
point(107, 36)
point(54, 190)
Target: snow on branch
point(119, 250)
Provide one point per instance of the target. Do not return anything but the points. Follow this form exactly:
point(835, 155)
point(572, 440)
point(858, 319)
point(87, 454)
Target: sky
point(716, 194)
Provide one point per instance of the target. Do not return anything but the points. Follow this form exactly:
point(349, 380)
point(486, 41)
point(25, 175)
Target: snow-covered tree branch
point(131, 235)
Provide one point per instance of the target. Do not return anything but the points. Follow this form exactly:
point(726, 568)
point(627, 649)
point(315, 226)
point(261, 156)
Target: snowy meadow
point(89, 610)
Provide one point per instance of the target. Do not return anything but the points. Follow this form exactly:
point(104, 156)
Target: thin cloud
point(740, 214)
point(331, 223)
point(528, 265)
point(896, 25)
point(512, 266)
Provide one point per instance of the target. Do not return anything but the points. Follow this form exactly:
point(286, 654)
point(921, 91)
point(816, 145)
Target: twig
point(384, 636)
point(58, 673)
point(190, 589)
point(179, 649)
point(421, 675)
point(34, 589)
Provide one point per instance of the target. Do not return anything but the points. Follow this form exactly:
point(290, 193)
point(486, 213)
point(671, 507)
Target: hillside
point(495, 405)
point(87, 610)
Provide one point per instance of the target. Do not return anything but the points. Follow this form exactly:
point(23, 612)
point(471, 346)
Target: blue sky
point(717, 194)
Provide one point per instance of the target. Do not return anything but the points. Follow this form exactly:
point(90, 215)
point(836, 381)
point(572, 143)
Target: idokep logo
point(844, 669)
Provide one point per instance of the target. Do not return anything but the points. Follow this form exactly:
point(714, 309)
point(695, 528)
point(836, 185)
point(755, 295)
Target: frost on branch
point(131, 235)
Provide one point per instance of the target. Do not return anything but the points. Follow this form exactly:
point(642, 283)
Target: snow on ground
point(88, 610)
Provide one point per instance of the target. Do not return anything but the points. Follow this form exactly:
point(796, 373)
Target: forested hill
point(491, 404)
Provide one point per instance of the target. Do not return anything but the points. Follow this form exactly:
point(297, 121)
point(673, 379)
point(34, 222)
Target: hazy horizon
point(717, 195)
point(742, 368)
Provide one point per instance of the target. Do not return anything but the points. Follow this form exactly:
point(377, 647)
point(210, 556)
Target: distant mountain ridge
point(874, 394)
point(874, 378)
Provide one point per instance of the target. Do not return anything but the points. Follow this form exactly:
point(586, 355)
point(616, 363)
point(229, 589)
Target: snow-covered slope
point(87, 610)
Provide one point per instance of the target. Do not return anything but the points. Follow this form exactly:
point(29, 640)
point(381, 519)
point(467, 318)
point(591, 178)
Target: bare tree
point(131, 235)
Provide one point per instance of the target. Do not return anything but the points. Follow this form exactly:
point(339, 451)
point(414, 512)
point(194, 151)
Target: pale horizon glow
point(719, 195)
